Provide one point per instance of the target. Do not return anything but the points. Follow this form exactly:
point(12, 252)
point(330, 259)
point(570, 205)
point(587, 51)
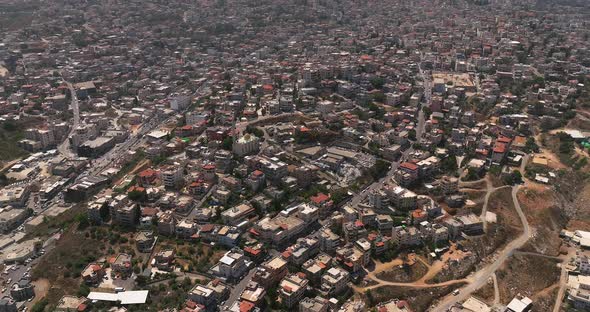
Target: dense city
point(295, 155)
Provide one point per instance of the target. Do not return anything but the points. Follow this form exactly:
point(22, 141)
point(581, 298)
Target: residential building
point(334, 282)
point(292, 288)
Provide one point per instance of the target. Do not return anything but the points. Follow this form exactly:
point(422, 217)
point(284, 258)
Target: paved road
point(191, 216)
point(64, 147)
point(237, 290)
point(480, 277)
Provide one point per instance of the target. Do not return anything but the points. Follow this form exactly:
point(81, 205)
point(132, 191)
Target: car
point(4, 289)
point(455, 292)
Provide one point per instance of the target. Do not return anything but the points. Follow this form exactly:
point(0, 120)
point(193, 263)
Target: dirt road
point(479, 278)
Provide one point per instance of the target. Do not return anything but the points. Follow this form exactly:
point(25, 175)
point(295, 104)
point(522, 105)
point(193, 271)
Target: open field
point(419, 299)
point(543, 213)
point(407, 273)
point(526, 275)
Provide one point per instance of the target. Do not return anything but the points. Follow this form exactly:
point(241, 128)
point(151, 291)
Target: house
point(164, 259)
point(519, 304)
point(93, 274)
point(145, 241)
point(122, 265)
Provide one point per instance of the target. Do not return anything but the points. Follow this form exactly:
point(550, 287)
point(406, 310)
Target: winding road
point(479, 278)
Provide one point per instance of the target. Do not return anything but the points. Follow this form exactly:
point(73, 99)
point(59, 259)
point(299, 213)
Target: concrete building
point(334, 282)
point(246, 145)
point(11, 218)
point(22, 290)
point(316, 304)
point(291, 289)
point(172, 175)
point(231, 266)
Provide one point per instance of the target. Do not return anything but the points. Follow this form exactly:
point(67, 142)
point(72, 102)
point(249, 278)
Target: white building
point(232, 265)
point(245, 145)
point(172, 175)
point(334, 282)
point(179, 102)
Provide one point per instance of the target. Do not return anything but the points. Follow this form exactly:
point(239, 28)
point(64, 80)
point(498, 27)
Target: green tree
point(377, 82)
point(531, 145)
point(227, 143)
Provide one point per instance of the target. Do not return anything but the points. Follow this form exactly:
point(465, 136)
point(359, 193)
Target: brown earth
point(526, 275)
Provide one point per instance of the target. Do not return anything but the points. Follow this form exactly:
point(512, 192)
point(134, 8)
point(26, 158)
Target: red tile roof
point(500, 148)
point(409, 166)
point(320, 198)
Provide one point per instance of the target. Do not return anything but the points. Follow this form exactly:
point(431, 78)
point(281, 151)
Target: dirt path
point(433, 270)
point(41, 288)
point(479, 278)
point(496, 290)
point(382, 283)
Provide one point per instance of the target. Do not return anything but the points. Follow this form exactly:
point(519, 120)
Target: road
point(563, 279)
point(490, 189)
point(496, 290)
point(134, 141)
point(237, 290)
point(479, 278)
point(191, 216)
point(64, 147)
point(421, 123)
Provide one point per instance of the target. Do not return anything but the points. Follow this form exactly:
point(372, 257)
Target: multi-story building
point(328, 240)
point(583, 264)
point(22, 290)
point(126, 215)
point(406, 236)
point(292, 288)
point(271, 272)
point(237, 214)
point(280, 229)
point(204, 295)
point(314, 268)
point(254, 293)
point(401, 198)
point(11, 218)
point(316, 304)
point(145, 240)
point(334, 282)
point(167, 223)
point(165, 259)
point(233, 265)
point(579, 294)
point(304, 249)
point(172, 176)
point(449, 185)
point(246, 145)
